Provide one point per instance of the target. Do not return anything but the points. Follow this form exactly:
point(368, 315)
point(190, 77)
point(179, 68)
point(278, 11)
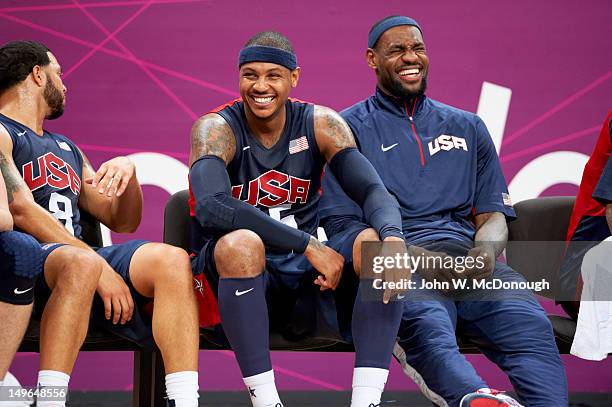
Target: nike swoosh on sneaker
point(385, 149)
point(18, 291)
point(239, 293)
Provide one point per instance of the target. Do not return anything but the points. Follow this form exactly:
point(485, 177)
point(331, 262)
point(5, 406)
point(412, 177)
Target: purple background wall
point(139, 72)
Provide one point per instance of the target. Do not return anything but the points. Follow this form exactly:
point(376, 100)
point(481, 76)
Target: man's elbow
point(125, 229)
point(215, 213)
point(20, 211)
point(129, 225)
point(6, 220)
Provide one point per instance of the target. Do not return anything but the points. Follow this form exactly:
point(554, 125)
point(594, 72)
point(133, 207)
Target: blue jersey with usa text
point(588, 225)
point(51, 165)
point(438, 161)
point(283, 180)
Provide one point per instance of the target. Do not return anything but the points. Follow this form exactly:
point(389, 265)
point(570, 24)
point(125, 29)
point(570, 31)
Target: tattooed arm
point(112, 195)
point(489, 242)
point(332, 132)
point(28, 216)
point(212, 147)
point(211, 135)
point(6, 220)
point(35, 220)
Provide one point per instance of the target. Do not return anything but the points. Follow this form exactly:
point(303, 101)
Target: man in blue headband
point(255, 176)
point(441, 165)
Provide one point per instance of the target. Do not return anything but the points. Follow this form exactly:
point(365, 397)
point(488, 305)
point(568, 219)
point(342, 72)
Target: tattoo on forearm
point(315, 243)
point(12, 180)
point(491, 231)
point(212, 136)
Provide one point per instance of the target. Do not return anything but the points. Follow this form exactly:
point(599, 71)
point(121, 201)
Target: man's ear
point(371, 58)
point(295, 76)
point(39, 75)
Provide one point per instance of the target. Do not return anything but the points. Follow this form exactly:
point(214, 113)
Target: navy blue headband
point(387, 24)
point(259, 53)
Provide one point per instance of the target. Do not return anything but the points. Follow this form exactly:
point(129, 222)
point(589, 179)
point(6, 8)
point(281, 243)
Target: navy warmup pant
point(514, 333)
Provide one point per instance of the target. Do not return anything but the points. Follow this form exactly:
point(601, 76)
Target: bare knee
point(73, 269)
point(174, 263)
point(367, 235)
point(156, 265)
point(169, 263)
point(240, 254)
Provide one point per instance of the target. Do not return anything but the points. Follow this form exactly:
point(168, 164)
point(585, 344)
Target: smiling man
point(255, 176)
point(441, 165)
point(49, 181)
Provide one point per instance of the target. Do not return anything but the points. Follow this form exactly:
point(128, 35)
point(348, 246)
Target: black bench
point(542, 219)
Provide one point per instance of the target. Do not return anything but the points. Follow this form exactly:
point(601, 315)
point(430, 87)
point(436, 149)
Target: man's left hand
point(482, 269)
point(113, 177)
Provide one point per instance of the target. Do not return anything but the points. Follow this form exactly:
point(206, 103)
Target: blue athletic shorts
point(22, 260)
point(119, 256)
point(296, 306)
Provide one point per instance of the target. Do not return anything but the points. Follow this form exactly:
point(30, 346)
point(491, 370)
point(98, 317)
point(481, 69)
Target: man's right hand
point(116, 296)
point(326, 261)
point(395, 274)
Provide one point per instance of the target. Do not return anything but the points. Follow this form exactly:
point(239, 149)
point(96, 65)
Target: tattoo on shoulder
point(13, 180)
point(88, 164)
point(211, 135)
point(335, 127)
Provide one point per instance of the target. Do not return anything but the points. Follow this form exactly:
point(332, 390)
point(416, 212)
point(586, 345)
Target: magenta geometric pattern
point(139, 72)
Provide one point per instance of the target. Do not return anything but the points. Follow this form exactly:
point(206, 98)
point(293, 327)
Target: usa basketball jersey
point(51, 166)
point(588, 224)
point(283, 180)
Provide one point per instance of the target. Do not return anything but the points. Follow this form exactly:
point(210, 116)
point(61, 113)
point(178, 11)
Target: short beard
point(400, 92)
point(55, 100)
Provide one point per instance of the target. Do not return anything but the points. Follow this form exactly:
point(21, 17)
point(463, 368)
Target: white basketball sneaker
point(11, 381)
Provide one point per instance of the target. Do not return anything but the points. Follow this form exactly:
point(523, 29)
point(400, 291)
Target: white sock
point(52, 378)
point(182, 387)
point(11, 381)
point(368, 385)
point(262, 390)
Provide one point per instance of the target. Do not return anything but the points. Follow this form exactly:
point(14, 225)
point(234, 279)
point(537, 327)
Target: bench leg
point(159, 381)
point(143, 380)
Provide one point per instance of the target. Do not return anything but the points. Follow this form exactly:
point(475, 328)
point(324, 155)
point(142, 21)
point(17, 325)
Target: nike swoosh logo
point(17, 291)
point(246, 148)
point(22, 133)
point(239, 293)
point(385, 149)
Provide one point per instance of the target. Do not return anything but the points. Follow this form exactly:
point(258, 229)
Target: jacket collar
point(397, 106)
